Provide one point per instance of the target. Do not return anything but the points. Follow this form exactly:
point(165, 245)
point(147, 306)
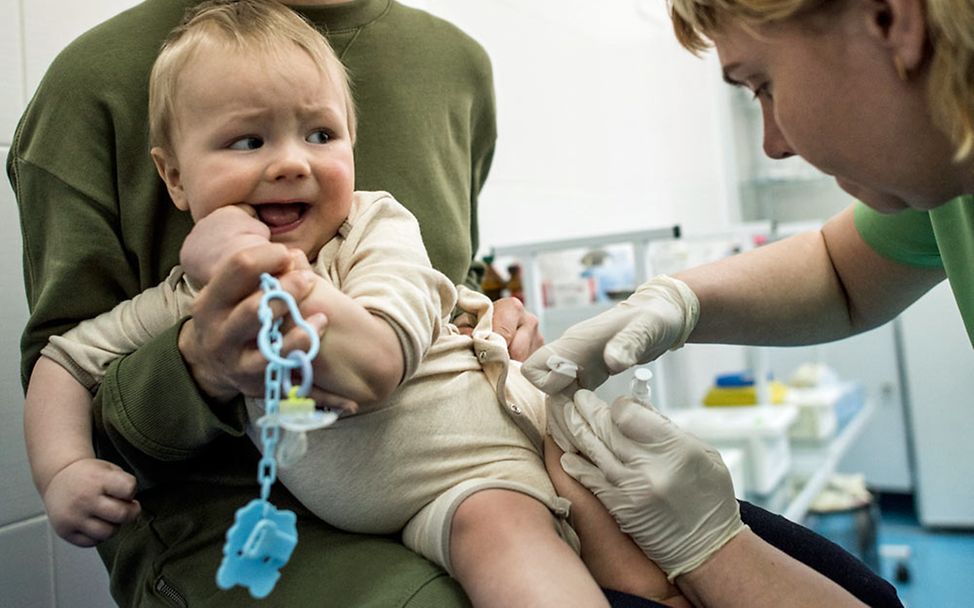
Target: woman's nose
point(775, 144)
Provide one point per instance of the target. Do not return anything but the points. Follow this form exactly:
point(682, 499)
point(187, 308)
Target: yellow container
point(719, 396)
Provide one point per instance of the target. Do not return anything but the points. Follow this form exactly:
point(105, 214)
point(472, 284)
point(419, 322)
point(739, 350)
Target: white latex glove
point(555, 406)
point(667, 489)
point(658, 317)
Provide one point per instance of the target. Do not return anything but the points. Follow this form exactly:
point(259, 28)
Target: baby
point(252, 127)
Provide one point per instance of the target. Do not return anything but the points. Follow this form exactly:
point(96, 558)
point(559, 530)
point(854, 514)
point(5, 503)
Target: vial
point(639, 388)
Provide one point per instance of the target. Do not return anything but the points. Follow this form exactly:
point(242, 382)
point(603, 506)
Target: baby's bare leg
point(611, 556)
point(506, 552)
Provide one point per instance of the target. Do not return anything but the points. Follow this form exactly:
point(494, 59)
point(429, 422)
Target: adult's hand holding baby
point(658, 317)
point(219, 343)
point(218, 235)
point(668, 490)
point(519, 328)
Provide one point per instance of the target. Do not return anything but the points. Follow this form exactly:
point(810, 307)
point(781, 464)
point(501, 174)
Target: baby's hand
point(216, 237)
point(88, 500)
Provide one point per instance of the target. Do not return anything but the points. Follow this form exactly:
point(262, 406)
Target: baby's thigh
point(509, 537)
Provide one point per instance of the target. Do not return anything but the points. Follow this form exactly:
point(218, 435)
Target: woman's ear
point(901, 25)
point(169, 172)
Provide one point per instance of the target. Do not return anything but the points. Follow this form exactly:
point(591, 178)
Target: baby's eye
point(319, 137)
point(247, 143)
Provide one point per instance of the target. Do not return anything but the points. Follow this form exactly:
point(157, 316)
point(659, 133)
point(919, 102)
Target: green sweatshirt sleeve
point(136, 384)
point(98, 228)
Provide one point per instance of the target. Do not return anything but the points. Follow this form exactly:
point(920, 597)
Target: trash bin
point(846, 513)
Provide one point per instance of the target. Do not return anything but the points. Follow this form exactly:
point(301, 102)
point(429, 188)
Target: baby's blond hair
point(261, 26)
point(950, 30)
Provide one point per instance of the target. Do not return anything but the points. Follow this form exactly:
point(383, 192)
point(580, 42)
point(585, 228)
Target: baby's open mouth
point(281, 216)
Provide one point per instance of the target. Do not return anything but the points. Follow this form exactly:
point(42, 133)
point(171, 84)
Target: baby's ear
point(169, 172)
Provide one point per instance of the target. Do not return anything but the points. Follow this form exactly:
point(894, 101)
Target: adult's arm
point(749, 572)
point(809, 288)
point(673, 495)
point(98, 229)
point(154, 397)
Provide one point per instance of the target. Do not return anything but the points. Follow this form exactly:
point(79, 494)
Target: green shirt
point(98, 228)
point(940, 238)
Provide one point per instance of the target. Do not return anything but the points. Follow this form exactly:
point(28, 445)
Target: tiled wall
point(39, 570)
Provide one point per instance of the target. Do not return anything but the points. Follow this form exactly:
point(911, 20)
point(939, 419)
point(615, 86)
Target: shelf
point(528, 254)
point(535, 248)
point(812, 466)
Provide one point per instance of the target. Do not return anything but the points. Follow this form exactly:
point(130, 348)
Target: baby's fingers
point(118, 483)
point(92, 531)
point(117, 504)
point(324, 399)
point(80, 540)
point(114, 511)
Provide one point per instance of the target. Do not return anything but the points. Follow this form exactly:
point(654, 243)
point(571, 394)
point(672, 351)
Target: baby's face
point(271, 132)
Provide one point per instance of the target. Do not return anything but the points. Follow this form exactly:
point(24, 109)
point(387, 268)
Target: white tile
point(49, 25)
point(20, 500)
point(12, 94)
point(80, 578)
point(25, 578)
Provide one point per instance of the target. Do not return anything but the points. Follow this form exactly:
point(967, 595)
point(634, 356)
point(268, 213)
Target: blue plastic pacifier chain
point(262, 537)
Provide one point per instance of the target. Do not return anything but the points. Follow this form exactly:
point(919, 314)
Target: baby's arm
point(361, 357)
point(86, 499)
point(385, 304)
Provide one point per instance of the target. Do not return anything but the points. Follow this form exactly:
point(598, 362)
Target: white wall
point(39, 570)
point(604, 121)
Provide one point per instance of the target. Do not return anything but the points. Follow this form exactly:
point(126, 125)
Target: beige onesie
point(462, 420)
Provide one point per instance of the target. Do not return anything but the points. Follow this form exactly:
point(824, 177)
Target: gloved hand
point(667, 489)
point(658, 317)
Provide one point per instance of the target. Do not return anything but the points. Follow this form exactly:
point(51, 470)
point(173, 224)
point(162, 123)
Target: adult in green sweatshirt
point(98, 228)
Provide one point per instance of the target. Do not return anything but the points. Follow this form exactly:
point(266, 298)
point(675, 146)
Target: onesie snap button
point(483, 355)
point(515, 408)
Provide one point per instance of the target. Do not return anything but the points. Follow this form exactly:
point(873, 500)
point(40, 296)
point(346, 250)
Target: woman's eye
point(247, 143)
point(319, 137)
point(763, 91)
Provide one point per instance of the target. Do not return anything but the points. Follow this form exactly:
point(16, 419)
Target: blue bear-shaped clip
point(258, 545)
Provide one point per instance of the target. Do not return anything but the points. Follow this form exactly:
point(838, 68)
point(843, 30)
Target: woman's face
point(830, 93)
